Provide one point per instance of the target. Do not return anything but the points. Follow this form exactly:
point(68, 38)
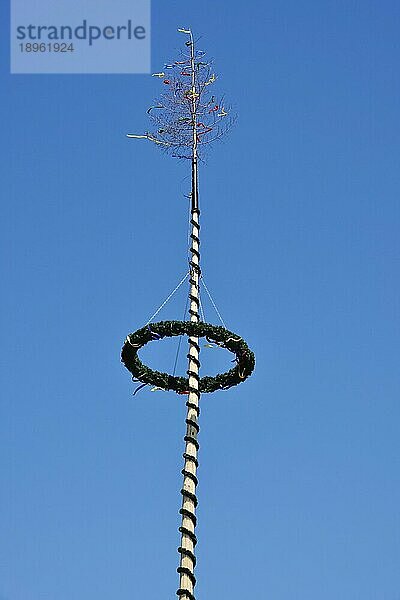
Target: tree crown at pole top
point(188, 112)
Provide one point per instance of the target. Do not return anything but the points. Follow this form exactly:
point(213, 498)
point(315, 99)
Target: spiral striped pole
point(187, 565)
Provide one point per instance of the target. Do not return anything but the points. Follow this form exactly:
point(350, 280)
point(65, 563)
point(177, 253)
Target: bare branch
point(187, 111)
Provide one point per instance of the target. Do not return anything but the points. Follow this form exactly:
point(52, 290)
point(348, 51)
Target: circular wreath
point(216, 334)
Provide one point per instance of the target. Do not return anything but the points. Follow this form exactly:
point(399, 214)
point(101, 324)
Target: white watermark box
point(87, 36)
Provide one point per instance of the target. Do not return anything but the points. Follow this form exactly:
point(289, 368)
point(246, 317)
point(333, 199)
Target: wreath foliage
point(245, 360)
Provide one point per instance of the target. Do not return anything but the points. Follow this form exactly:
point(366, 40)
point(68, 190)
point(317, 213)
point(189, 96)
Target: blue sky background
point(299, 478)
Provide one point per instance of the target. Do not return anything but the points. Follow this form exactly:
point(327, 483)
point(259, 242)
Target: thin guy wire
point(201, 310)
point(180, 340)
point(167, 299)
point(212, 302)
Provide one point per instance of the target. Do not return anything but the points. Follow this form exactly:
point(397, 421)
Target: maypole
point(189, 502)
point(188, 117)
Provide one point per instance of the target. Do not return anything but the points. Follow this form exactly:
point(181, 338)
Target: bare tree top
point(188, 114)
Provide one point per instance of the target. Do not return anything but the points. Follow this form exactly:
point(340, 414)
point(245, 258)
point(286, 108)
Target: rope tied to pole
point(168, 298)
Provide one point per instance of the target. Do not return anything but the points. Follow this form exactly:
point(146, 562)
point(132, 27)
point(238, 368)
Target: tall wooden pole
point(189, 503)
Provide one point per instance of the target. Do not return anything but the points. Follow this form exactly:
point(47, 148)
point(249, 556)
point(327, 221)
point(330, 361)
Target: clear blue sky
point(300, 248)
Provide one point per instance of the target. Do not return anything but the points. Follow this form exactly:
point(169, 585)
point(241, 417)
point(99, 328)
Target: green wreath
point(213, 333)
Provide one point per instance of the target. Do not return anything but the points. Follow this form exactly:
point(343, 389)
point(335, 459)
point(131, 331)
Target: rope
point(179, 342)
point(201, 310)
point(212, 301)
point(168, 298)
